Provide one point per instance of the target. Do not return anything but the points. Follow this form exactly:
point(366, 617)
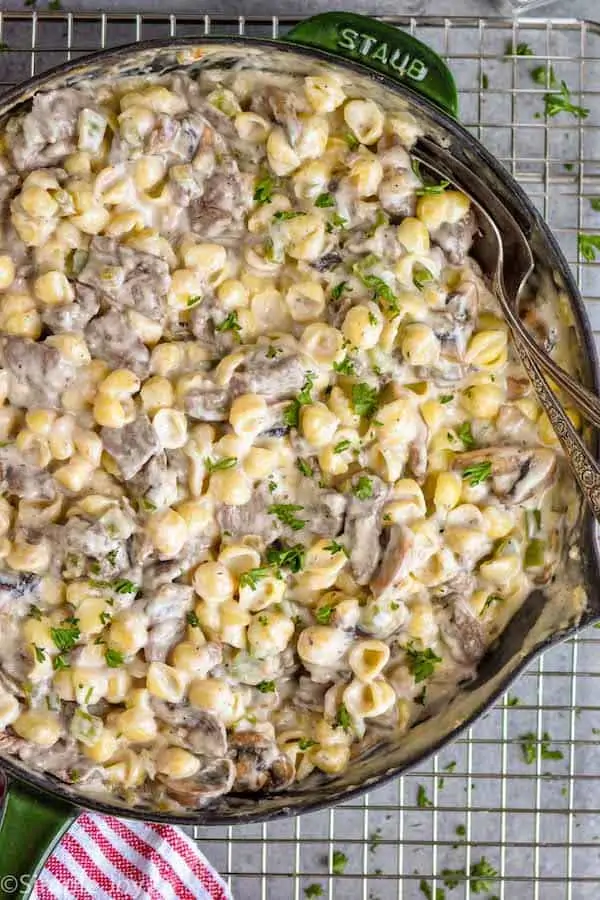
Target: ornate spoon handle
point(582, 463)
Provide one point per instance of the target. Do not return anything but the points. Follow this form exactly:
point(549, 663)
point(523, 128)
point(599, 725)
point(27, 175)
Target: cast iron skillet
point(403, 74)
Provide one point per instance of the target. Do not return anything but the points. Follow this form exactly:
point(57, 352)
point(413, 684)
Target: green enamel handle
point(383, 48)
point(31, 826)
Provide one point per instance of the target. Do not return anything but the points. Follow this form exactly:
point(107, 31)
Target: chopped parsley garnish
point(193, 300)
point(284, 214)
point(113, 658)
point(341, 446)
point(535, 554)
point(343, 720)
point(124, 586)
point(67, 635)
point(324, 613)
point(381, 289)
point(426, 189)
point(291, 414)
point(556, 103)
point(466, 435)
point(364, 399)
point(59, 662)
point(40, 653)
point(304, 467)
point(273, 351)
point(421, 698)
point(338, 290)
point(263, 190)
point(363, 489)
point(285, 512)
point(313, 890)
point(339, 861)
point(229, 323)
point(423, 800)
point(588, 245)
point(112, 556)
point(253, 576)
point(192, 619)
point(520, 50)
point(446, 398)
point(421, 663)
point(227, 462)
point(291, 558)
point(146, 505)
point(335, 547)
point(492, 598)
point(266, 687)
point(477, 473)
point(105, 617)
point(381, 219)
point(306, 744)
point(35, 612)
point(421, 276)
point(531, 744)
point(351, 140)
point(325, 200)
point(345, 367)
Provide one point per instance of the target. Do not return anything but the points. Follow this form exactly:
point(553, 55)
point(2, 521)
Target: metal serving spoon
point(491, 250)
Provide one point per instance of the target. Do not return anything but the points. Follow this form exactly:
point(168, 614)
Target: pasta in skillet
point(272, 477)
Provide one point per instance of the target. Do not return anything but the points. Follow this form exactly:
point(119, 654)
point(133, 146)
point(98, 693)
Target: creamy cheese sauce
point(271, 473)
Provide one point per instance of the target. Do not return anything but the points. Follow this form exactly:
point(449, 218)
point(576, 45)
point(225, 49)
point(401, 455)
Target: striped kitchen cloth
point(103, 858)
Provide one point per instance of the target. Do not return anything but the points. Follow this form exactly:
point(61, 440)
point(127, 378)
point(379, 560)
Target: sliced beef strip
point(279, 378)
point(132, 445)
point(221, 204)
point(179, 137)
point(22, 479)
point(362, 531)
point(323, 511)
point(47, 133)
point(18, 591)
point(40, 373)
point(251, 518)
point(110, 338)
point(127, 278)
point(166, 609)
point(155, 484)
point(208, 405)
point(72, 316)
point(461, 630)
point(456, 239)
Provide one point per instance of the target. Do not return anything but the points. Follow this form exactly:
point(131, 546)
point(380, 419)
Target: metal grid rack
point(537, 824)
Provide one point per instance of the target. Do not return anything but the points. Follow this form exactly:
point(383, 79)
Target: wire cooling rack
point(537, 824)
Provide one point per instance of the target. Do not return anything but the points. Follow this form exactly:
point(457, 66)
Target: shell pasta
point(272, 476)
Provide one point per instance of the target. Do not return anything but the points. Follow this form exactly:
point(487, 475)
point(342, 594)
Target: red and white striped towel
point(103, 858)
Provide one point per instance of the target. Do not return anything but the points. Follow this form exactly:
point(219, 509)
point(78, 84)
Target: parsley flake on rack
point(421, 663)
point(560, 101)
point(339, 861)
point(427, 891)
point(531, 745)
point(521, 49)
point(226, 462)
point(285, 512)
point(545, 77)
point(423, 800)
point(588, 244)
point(477, 473)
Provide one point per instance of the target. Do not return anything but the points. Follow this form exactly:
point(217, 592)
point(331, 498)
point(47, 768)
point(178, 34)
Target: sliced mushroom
point(208, 737)
point(461, 630)
point(396, 562)
point(534, 475)
point(517, 472)
point(258, 762)
point(214, 778)
point(178, 714)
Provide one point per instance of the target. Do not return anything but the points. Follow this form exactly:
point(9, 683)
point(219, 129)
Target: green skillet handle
point(30, 827)
point(383, 48)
